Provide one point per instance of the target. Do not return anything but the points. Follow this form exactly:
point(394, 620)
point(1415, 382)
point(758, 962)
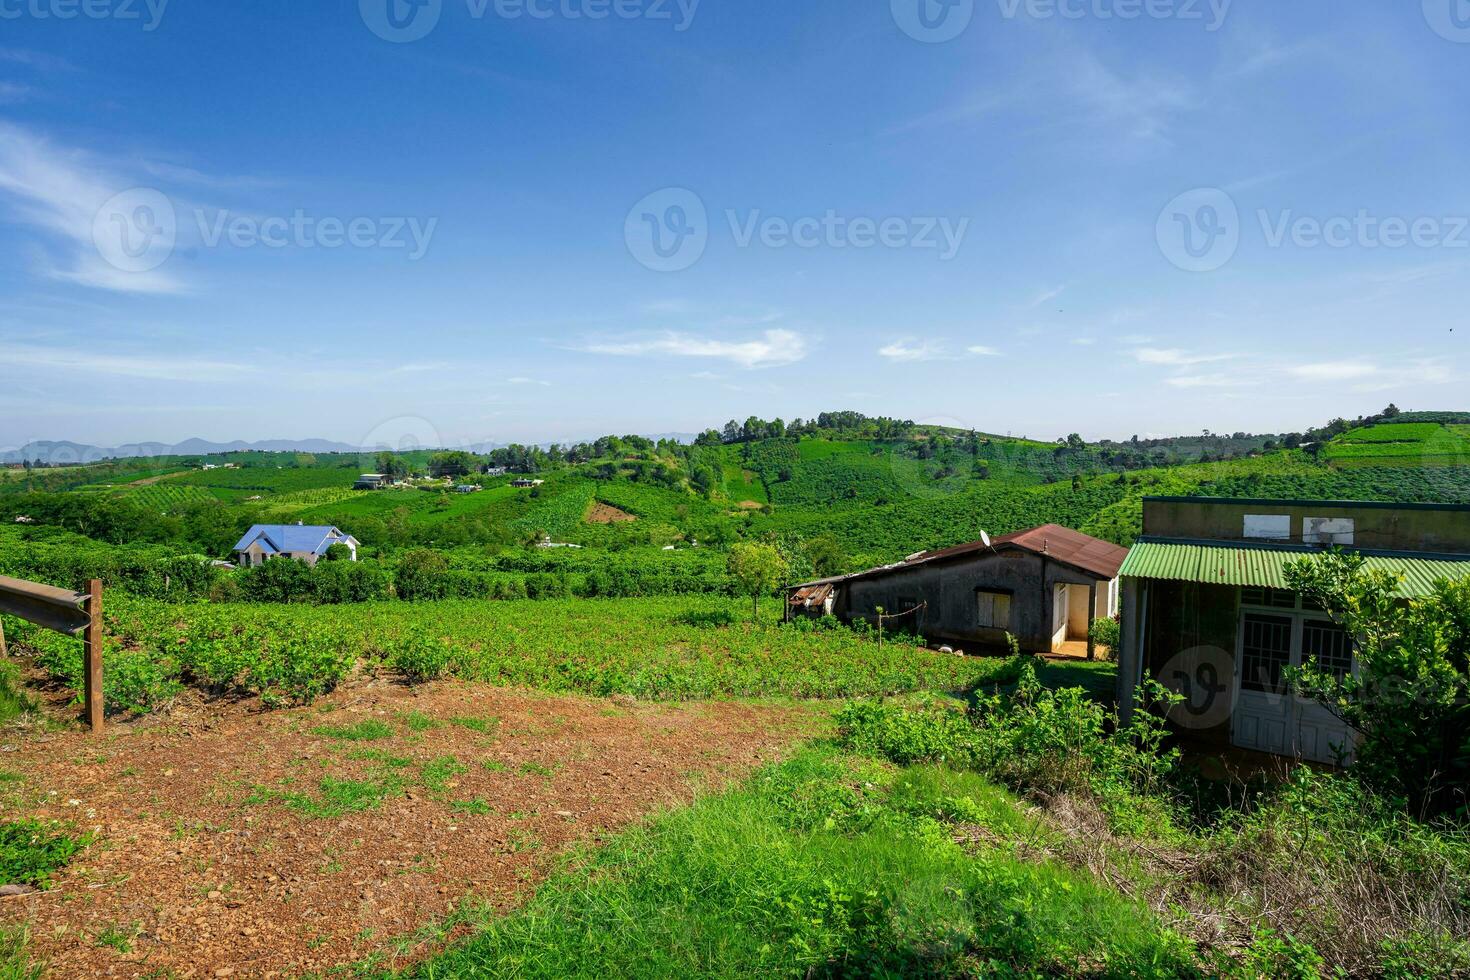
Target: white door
point(1058, 616)
point(1321, 735)
point(1262, 707)
point(1269, 719)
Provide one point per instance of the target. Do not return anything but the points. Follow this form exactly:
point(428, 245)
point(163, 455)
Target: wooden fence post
point(92, 685)
point(4, 650)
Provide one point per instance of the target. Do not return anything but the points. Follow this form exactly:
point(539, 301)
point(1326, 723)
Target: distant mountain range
point(69, 452)
point(75, 452)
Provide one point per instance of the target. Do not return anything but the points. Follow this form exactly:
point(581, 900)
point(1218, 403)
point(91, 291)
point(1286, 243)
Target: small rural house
point(1207, 613)
point(303, 543)
point(525, 483)
point(373, 481)
point(1043, 586)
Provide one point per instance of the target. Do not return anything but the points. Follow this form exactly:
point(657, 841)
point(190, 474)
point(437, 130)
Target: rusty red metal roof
point(1061, 544)
point(812, 595)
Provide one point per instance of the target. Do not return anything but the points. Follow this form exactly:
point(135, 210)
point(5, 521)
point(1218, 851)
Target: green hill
point(871, 491)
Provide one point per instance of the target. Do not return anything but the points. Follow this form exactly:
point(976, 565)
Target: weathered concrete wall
point(950, 590)
point(1387, 527)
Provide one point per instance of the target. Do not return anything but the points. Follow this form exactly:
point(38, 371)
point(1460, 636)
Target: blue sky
point(1105, 216)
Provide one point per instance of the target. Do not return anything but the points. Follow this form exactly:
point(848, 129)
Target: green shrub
point(1106, 633)
point(32, 850)
point(1035, 740)
point(422, 658)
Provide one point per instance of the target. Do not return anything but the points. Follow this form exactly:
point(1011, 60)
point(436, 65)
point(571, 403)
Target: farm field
point(1427, 442)
point(659, 649)
point(359, 829)
point(345, 770)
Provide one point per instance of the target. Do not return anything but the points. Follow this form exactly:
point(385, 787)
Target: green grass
point(436, 773)
point(368, 730)
point(1097, 678)
point(338, 797)
point(15, 959)
point(482, 725)
point(477, 807)
point(118, 937)
point(31, 851)
point(826, 865)
point(1431, 443)
point(15, 702)
point(417, 721)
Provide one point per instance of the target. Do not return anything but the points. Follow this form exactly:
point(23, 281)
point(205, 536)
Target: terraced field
point(1408, 443)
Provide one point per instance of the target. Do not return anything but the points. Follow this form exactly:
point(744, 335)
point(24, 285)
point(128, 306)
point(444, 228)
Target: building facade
point(1206, 610)
point(1043, 586)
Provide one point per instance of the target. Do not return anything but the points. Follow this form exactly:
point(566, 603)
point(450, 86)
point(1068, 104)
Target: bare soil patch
point(602, 513)
point(230, 846)
point(153, 480)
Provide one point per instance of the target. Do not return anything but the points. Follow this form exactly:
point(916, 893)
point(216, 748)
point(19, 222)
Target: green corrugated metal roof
point(1263, 567)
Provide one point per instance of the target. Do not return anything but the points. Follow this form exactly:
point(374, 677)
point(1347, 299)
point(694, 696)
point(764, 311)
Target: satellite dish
point(985, 539)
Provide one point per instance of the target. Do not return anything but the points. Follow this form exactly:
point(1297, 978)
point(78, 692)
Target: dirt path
point(230, 846)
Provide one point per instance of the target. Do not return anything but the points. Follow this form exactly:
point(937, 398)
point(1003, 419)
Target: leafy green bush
point(1035, 740)
point(1409, 699)
point(1106, 632)
point(421, 658)
point(905, 735)
point(32, 850)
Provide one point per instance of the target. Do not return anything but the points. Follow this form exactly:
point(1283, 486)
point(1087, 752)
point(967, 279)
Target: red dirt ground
point(211, 876)
point(602, 513)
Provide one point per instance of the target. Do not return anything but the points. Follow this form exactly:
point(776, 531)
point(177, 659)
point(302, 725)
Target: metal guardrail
point(56, 609)
point(66, 612)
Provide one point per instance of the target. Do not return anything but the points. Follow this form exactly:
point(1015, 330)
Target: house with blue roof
point(298, 541)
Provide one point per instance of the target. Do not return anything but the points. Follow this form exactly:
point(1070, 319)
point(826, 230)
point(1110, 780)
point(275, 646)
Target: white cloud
point(1210, 381)
point(1334, 371)
point(1045, 297)
point(774, 348)
point(153, 366)
point(1174, 357)
point(60, 191)
point(911, 350)
point(980, 350)
point(1084, 341)
point(528, 381)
